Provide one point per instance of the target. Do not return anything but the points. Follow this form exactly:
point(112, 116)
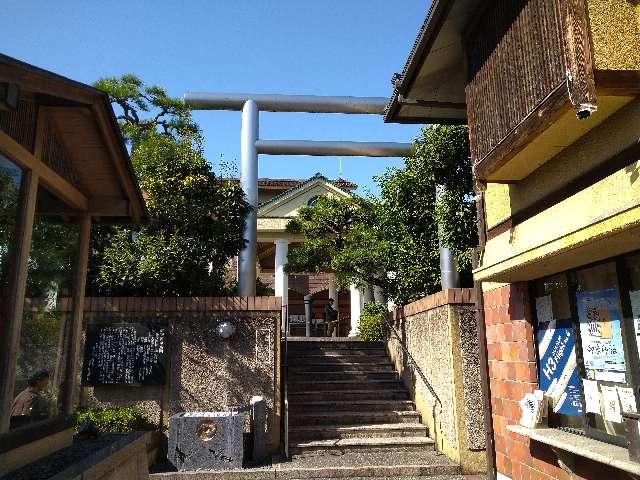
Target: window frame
point(631, 353)
point(31, 183)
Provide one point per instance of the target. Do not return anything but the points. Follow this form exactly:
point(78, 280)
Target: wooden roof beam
point(47, 176)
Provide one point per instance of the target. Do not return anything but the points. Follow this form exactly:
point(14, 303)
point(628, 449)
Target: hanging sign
point(591, 396)
point(612, 412)
point(601, 335)
point(558, 367)
point(627, 400)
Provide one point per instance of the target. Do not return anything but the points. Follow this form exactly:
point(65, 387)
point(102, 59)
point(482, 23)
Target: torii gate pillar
point(249, 182)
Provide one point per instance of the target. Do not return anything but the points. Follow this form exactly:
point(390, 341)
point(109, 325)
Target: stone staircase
point(346, 400)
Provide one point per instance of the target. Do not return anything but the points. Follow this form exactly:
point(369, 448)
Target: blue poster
point(601, 335)
point(558, 367)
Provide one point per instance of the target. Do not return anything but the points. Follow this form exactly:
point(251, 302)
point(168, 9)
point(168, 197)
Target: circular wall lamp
point(225, 329)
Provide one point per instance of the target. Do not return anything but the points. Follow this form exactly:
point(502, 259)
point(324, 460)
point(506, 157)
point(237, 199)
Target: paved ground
point(353, 465)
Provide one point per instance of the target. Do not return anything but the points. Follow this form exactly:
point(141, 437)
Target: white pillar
point(333, 293)
point(355, 310)
point(281, 285)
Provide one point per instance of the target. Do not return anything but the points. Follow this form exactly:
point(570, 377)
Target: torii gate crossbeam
point(251, 146)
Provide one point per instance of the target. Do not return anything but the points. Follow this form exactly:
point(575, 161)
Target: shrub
point(114, 419)
point(372, 326)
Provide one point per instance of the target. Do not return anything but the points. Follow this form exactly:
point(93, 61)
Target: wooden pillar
point(14, 307)
point(70, 386)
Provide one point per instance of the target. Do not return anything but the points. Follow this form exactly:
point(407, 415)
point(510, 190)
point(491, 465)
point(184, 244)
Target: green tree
point(361, 239)
point(196, 219)
point(338, 238)
point(9, 194)
point(412, 213)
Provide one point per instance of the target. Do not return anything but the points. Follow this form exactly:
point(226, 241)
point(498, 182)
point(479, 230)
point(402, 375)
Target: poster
point(558, 367)
point(635, 307)
point(544, 309)
point(611, 405)
point(601, 335)
point(591, 396)
point(627, 400)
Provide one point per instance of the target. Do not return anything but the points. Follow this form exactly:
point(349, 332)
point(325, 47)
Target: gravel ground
point(49, 466)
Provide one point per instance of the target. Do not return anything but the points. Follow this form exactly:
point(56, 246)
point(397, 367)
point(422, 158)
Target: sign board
point(125, 354)
point(558, 366)
point(601, 335)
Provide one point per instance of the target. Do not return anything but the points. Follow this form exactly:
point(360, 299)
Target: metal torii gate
point(251, 146)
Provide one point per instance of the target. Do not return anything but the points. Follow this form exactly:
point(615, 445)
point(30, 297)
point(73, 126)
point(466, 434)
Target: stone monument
point(206, 440)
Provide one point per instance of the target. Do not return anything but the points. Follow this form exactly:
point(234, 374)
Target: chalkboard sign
point(130, 353)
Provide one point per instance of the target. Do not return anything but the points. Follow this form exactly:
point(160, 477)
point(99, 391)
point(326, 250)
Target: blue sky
point(321, 47)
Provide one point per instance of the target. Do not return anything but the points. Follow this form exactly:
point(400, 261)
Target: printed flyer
point(601, 335)
point(558, 367)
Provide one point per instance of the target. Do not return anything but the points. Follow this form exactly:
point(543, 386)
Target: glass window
point(42, 354)
point(10, 182)
point(588, 333)
point(555, 336)
point(604, 361)
point(632, 264)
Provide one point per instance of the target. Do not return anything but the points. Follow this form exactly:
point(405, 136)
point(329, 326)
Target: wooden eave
point(54, 93)
point(431, 86)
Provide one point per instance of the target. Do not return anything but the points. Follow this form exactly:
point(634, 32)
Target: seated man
point(30, 405)
point(330, 317)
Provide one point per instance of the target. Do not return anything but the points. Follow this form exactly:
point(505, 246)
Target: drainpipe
point(482, 338)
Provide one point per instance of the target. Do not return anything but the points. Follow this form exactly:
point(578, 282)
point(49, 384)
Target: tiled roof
point(286, 183)
point(302, 183)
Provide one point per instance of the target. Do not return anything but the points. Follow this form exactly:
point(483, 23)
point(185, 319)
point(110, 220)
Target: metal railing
point(285, 375)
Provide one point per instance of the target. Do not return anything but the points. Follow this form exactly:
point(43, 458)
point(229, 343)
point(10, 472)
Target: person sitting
point(30, 405)
point(330, 317)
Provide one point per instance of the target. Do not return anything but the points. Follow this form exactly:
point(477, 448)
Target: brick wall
point(511, 353)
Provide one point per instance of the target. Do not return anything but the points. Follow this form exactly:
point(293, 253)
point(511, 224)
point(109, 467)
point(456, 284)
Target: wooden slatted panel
point(517, 56)
point(56, 156)
point(21, 124)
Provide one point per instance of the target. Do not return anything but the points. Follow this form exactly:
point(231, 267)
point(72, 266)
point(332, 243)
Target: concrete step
point(351, 406)
point(353, 418)
point(344, 385)
point(348, 357)
point(374, 464)
point(339, 367)
point(342, 376)
point(297, 342)
point(372, 430)
point(335, 446)
point(362, 394)
point(395, 464)
point(336, 351)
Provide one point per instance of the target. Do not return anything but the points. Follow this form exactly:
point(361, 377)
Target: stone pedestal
point(259, 429)
point(206, 440)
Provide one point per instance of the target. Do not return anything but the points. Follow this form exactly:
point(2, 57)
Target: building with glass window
point(63, 167)
point(279, 200)
point(550, 92)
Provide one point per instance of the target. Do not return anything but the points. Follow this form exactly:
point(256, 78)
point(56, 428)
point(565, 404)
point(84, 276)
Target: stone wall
point(205, 372)
point(440, 335)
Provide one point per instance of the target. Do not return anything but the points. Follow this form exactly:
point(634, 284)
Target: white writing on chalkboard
point(124, 354)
